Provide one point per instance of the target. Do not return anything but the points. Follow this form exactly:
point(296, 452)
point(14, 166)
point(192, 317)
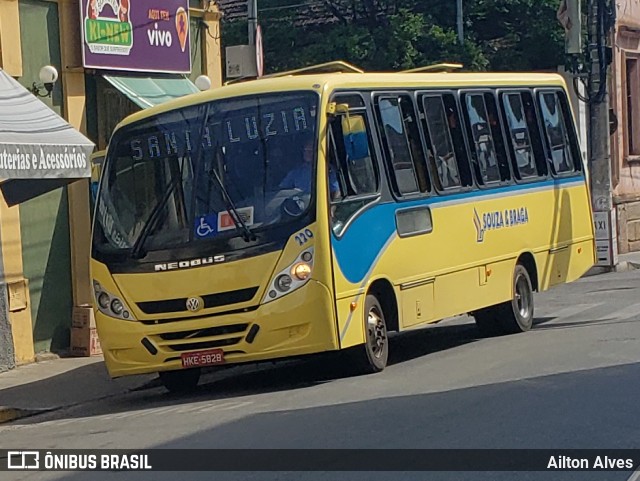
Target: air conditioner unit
point(241, 61)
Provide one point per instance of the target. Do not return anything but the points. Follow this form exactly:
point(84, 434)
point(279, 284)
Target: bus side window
point(498, 136)
point(402, 143)
point(361, 172)
point(556, 133)
point(441, 143)
point(531, 114)
point(350, 160)
point(489, 158)
point(446, 141)
point(525, 137)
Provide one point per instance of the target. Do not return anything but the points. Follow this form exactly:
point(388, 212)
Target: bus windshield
point(219, 170)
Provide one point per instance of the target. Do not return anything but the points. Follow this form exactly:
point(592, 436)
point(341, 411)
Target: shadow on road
point(246, 380)
point(588, 323)
point(235, 381)
point(545, 412)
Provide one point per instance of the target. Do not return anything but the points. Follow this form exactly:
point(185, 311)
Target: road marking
point(625, 313)
point(189, 408)
point(198, 408)
point(225, 406)
point(572, 310)
point(123, 415)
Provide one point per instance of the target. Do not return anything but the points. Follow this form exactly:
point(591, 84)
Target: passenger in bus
point(300, 176)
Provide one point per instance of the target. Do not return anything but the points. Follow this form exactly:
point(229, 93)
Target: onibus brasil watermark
point(32, 460)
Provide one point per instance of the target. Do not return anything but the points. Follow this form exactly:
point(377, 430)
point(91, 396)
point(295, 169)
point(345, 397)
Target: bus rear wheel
point(180, 381)
point(512, 316)
point(372, 356)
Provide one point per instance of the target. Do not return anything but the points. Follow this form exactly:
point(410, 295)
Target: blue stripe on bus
point(362, 241)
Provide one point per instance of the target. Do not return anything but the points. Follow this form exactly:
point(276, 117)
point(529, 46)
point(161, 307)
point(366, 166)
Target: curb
point(8, 414)
point(622, 266)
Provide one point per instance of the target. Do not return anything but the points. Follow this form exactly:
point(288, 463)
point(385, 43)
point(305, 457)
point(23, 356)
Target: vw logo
point(194, 304)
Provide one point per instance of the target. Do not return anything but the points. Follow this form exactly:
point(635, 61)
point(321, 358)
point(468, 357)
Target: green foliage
point(518, 34)
point(380, 35)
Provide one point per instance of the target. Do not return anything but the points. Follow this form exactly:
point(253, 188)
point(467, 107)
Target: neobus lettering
point(170, 266)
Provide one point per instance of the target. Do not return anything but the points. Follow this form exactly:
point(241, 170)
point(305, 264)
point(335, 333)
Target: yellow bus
point(317, 212)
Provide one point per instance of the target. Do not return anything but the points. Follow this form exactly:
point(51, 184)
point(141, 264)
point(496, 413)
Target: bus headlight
point(301, 270)
point(103, 300)
point(111, 305)
point(293, 277)
point(283, 282)
point(117, 307)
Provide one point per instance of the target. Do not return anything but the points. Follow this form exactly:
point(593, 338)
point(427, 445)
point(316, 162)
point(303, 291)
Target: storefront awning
point(149, 91)
point(39, 150)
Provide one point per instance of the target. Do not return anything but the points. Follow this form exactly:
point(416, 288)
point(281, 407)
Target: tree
point(518, 34)
point(404, 34)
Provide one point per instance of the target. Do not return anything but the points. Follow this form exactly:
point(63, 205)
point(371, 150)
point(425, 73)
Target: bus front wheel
point(512, 316)
point(180, 381)
point(372, 356)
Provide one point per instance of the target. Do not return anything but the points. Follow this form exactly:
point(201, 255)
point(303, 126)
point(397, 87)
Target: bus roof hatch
point(337, 66)
point(436, 67)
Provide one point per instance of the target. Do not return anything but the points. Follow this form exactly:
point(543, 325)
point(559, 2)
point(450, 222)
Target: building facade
point(625, 141)
point(44, 242)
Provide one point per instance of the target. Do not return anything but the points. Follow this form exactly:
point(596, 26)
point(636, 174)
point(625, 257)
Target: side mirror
point(337, 109)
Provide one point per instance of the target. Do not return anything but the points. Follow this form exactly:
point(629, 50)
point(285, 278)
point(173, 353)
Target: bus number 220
point(303, 237)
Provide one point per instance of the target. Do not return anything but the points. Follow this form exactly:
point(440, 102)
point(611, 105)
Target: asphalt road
point(572, 382)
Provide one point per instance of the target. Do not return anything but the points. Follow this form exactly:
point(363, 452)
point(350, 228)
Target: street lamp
point(48, 76)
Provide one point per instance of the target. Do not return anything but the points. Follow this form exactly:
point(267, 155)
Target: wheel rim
point(523, 297)
point(376, 332)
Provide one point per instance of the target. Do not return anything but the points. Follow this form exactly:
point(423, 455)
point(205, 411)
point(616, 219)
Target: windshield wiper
point(137, 251)
point(240, 224)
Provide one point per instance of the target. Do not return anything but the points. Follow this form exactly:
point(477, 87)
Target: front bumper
point(301, 322)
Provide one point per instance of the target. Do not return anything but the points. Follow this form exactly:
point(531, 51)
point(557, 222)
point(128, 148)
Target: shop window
point(112, 108)
point(633, 106)
point(196, 32)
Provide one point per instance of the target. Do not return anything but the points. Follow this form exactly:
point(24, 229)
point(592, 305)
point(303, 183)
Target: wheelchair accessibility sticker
point(211, 224)
point(206, 225)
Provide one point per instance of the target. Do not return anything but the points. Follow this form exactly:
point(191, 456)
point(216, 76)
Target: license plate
point(202, 358)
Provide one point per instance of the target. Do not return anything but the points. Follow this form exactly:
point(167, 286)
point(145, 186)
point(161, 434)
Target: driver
point(300, 176)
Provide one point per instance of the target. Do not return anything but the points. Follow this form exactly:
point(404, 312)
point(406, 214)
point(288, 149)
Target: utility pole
point(599, 146)
point(460, 23)
point(252, 14)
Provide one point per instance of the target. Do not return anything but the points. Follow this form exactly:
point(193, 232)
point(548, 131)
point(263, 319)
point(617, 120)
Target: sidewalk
point(58, 383)
point(63, 382)
point(626, 262)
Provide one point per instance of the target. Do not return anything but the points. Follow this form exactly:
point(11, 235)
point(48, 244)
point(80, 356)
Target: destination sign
point(179, 138)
